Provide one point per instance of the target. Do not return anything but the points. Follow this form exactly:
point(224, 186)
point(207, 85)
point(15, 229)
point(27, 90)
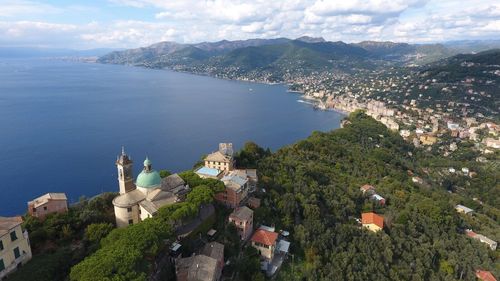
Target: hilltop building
point(48, 204)
point(15, 249)
point(142, 199)
point(239, 182)
point(221, 159)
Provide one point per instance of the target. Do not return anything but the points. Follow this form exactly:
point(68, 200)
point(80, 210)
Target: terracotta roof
point(367, 187)
point(485, 275)
point(264, 237)
point(470, 233)
point(372, 218)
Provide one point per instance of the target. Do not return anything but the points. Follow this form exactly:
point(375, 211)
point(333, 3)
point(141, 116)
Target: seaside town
point(405, 106)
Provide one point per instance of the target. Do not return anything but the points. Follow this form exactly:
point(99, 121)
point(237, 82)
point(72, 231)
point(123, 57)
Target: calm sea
point(62, 124)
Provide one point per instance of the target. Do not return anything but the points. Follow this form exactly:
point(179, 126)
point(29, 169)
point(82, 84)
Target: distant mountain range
point(279, 57)
point(378, 50)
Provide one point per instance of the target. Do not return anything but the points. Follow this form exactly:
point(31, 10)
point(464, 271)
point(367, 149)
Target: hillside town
point(418, 118)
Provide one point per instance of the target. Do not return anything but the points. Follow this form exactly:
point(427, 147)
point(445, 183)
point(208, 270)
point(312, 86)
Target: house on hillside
point(372, 221)
point(15, 248)
point(485, 275)
point(48, 204)
point(242, 218)
point(215, 250)
point(492, 244)
point(265, 242)
point(367, 189)
point(236, 191)
point(377, 198)
point(464, 210)
point(207, 266)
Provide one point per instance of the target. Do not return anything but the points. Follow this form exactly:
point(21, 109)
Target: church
point(141, 199)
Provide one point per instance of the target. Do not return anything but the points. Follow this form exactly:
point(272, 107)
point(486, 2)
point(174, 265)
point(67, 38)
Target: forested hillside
point(312, 188)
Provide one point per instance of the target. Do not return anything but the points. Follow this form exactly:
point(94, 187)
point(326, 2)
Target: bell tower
point(125, 173)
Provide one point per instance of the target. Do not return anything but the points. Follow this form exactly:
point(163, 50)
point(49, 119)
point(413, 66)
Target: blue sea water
point(62, 124)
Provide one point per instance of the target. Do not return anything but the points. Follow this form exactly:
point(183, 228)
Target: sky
point(87, 24)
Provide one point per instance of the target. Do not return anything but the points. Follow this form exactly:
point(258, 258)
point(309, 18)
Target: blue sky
point(88, 24)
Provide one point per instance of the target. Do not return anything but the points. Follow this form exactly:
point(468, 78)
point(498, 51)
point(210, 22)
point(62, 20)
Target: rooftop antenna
point(123, 150)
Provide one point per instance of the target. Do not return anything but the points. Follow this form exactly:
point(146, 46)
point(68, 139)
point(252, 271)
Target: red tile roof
point(367, 187)
point(485, 275)
point(470, 233)
point(369, 218)
point(265, 237)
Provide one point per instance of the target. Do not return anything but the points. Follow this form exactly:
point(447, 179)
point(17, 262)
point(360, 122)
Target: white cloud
point(15, 8)
point(211, 20)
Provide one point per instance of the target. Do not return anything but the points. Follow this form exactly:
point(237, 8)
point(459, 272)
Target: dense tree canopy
point(126, 253)
point(313, 190)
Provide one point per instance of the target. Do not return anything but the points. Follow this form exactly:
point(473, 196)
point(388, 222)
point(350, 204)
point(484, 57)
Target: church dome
point(148, 178)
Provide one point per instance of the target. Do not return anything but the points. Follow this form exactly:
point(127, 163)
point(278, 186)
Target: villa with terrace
point(239, 182)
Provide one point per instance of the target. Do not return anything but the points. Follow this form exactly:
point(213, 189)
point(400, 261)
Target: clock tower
point(125, 173)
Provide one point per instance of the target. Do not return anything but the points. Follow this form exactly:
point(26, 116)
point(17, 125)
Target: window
point(17, 254)
point(2, 265)
point(129, 209)
point(1, 245)
point(45, 208)
point(13, 236)
point(130, 222)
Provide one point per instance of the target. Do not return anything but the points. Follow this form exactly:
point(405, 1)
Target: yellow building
point(15, 249)
point(222, 159)
point(428, 139)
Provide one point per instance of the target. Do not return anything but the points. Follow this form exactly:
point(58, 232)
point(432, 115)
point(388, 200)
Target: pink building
point(243, 220)
point(48, 204)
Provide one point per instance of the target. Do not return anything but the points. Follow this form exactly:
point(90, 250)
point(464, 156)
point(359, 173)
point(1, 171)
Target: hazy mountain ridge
point(391, 51)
